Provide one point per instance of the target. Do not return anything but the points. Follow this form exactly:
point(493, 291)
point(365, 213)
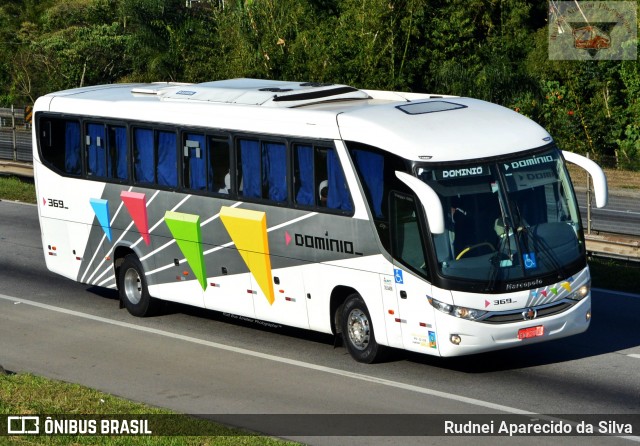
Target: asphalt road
point(202, 362)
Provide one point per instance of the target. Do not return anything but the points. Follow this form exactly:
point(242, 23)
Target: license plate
point(531, 332)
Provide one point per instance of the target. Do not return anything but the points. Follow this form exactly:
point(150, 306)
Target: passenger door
point(415, 314)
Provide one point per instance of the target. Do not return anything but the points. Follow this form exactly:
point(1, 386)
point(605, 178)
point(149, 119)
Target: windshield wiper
point(539, 244)
point(496, 261)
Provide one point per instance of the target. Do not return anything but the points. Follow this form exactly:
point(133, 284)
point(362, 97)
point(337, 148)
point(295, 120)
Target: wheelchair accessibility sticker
point(529, 260)
point(397, 273)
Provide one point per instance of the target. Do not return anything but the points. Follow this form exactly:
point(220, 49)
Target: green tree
point(151, 25)
point(628, 153)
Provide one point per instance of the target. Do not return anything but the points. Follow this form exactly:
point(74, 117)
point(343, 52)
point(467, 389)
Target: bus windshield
point(510, 219)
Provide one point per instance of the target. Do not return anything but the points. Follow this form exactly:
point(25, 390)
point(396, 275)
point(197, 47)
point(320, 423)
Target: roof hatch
point(419, 108)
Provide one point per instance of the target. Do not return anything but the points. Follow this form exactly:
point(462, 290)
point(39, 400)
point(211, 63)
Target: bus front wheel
point(133, 288)
point(357, 331)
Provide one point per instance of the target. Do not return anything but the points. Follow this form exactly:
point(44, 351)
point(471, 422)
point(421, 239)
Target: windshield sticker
point(463, 172)
point(528, 162)
point(397, 273)
point(529, 261)
point(533, 178)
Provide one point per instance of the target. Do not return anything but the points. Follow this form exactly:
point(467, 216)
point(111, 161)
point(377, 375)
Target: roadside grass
point(616, 179)
point(614, 274)
point(14, 188)
point(24, 394)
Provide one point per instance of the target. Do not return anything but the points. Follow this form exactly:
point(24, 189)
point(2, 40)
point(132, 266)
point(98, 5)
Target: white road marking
point(306, 365)
point(634, 355)
point(269, 357)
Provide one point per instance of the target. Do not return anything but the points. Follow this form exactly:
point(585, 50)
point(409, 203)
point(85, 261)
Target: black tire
point(357, 331)
point(132, 285)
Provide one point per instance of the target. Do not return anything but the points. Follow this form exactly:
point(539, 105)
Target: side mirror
point(429, 199)
point(597, 175)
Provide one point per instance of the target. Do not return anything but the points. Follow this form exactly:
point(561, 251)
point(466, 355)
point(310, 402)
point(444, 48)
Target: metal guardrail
point(613, 245)
point(15, 135)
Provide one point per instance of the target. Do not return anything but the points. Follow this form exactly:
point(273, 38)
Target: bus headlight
point(445, 308)
point(470, 314)
point(581, 292)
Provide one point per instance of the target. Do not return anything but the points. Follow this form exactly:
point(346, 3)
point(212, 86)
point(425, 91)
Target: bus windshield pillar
point(429, 199)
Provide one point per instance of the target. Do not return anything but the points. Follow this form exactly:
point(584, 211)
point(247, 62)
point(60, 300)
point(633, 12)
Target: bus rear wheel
point(132, 284)
point(357, 331)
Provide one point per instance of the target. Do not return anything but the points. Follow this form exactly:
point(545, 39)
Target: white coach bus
point(442, 225)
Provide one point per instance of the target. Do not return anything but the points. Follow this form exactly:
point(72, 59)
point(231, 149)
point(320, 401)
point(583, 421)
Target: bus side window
point(60, 144)
point(274, 157)
point(319, 179)
point(250, 168)
point(304, 175)
point(220, 165)
point(262, 167)
point(338, 196)
point(143, 156)
point(167, 169)
point(408, 246)
point(370, 167)
point(106, 148)
point(195, 164)
point(72, 148)
point(95, 143)
point(148, 168)
point(117, 155)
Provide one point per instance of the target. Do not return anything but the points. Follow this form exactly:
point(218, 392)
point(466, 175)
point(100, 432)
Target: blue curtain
point(72, 148)
point(167, 159)
point(276, 170)
point(304, 159)
point(338, 195)
point(251, 176)
point(371, 168)
point(198, 166)
point(96, 154)
point(119, 145)
point(144, 157)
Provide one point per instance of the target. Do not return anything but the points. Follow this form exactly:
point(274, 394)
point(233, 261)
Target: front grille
point(506, 317)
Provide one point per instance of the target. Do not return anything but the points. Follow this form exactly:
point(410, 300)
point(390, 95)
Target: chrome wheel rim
point(133, 286)
point(358, 329)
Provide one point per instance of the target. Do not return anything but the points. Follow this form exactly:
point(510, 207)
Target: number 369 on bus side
point(52, 202)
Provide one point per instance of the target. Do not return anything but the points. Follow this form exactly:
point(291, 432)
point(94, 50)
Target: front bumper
point(478, 337)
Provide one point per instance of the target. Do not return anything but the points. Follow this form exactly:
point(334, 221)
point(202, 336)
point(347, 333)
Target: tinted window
point(206, 165)
point(262, 169)
point(155, 157)
point(60, 144)
point(319, 179)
